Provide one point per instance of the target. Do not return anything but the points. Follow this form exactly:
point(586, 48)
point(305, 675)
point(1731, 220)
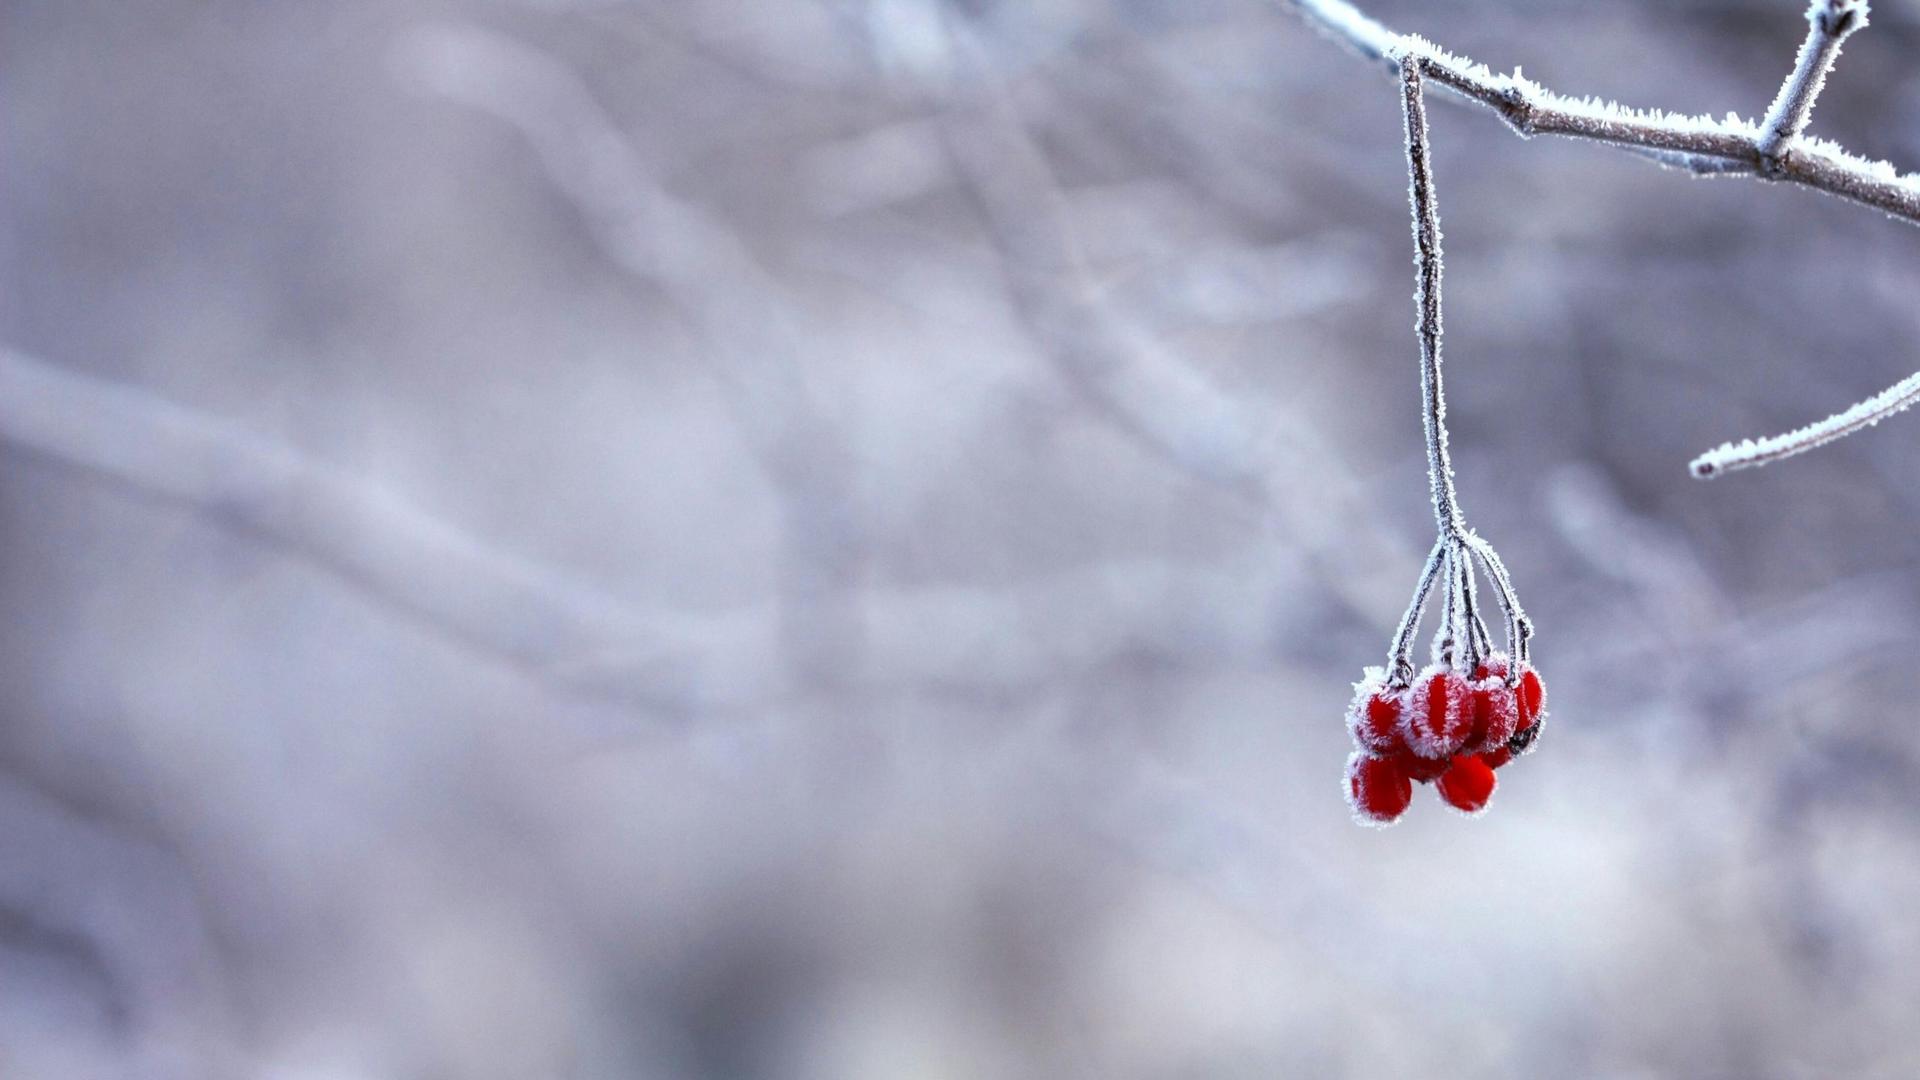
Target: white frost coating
point(1373, 682)
point(1776, 148)
point(1428, 322)
point(1350, 25)
point(1828, 24)
point(1516, 91)
point(1401, 653)
point(1749, 452)
point(1698, 144)
point(1417, 726)
point(1503, 708)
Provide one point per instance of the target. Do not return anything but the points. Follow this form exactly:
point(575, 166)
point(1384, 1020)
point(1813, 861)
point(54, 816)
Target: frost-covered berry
point(1532, 698)
point(1493, 709)
point(1437, 720)
point(1468, 784)
point(1531, 701)
point(1373, 719)
point(1377, 789)
point(1448, 719)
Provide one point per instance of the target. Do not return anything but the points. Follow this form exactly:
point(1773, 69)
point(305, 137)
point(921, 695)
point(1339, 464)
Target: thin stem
point(1728, 457)
point(1426, 243)
point(1400, 659)
point(1473, 632)
point(1828, 24)
point(1448, 635)
point(1519, 627)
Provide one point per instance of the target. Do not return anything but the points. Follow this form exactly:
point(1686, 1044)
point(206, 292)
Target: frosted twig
point(1426, 257)
point(1728, 457)
point(1696, 143)
point(1473, 630)
point(1461, 626)
point(1776, 149)
point(1448, 633)
point(1828, 24)
point(1519, 627)
point(1400, 656)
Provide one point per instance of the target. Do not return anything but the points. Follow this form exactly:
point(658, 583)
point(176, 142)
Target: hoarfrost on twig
point(1777, 148)
point(1728, 457)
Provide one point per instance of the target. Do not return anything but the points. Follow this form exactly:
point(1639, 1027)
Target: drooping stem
point(1519, 627)
point(1426, 256)
point(1462, 639)
point(1474, 631)
point(1400, 659)
point(1446, 641)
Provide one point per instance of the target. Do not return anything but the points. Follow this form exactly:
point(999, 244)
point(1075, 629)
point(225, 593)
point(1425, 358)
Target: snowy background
point(783, 539)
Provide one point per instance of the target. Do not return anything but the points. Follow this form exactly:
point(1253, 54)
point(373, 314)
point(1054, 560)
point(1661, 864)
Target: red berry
point(1377, 790)
point(1532, 698)
point(1496, 757)
point(1419, 769)
point(1494, 709)
point(1438, 720)
point(1373, 719)
point(1468, 784)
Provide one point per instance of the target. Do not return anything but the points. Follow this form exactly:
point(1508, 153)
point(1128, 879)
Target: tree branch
point(1696, 143)
point(1729, 457)
point(1828, 24)
point(1777, 149)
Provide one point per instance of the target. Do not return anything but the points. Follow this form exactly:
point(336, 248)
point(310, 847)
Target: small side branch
point(1828, 24)
point(1729, 457)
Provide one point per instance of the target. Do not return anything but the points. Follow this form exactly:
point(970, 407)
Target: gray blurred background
point(782, 539)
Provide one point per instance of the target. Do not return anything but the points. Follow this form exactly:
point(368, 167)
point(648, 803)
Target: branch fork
point(1828, 24)
point(1775, 149)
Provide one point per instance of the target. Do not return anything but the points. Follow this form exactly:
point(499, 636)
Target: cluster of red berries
point(1446, 727)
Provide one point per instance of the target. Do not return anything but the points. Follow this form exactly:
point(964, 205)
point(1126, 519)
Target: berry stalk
point(1426, 257)
point(1474, 708)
